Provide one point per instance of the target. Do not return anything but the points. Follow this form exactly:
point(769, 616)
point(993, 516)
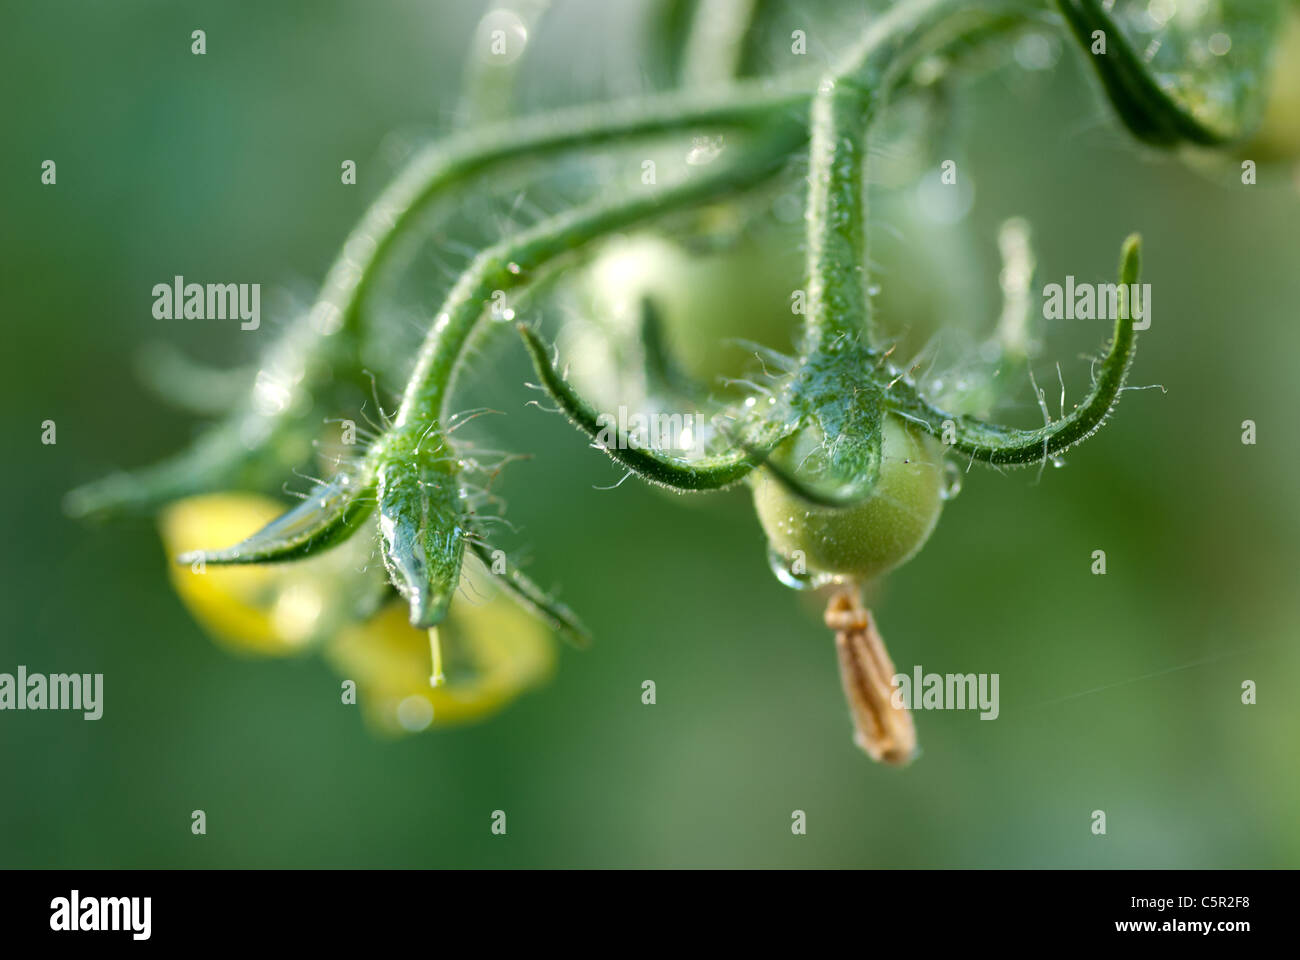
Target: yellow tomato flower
point(273, 609)
point(487, 651)
point(491, 651)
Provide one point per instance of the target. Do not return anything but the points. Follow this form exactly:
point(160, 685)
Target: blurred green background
point(1119, 693)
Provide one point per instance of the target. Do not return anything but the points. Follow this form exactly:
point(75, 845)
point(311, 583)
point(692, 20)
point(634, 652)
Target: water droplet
point(1058, 462)
point(513, 268)
point(704, 150)
point(951, 481)
point(782, 570)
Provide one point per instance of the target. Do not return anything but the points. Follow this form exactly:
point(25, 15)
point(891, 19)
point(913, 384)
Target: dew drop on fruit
point(951, 481)
point(781, 569)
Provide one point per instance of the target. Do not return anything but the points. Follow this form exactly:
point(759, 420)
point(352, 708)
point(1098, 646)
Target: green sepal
point(708, 473)
point(330, 514)
point(1011, 446)
point(422, 532)
point(534, 599)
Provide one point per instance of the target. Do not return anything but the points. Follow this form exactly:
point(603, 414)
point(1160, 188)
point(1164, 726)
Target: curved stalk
point(847, 101)
point(715, 46)
point(1011, 446)
point(424, 520)
point(512, 263)
point(244, 449)
point(707, 473)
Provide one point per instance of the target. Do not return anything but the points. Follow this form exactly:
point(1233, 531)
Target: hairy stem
point(450, 164)
point(424, 517)
point(253, 443)
point(715, 47)
point(1011, 446)
point(512, 263)
point(847, 101)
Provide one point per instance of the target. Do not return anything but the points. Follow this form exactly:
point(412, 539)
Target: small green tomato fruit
point(867, 539)
point(1277, 139)
point(707, 298)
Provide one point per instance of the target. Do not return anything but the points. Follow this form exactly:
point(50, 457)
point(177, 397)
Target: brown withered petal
point(883, 730)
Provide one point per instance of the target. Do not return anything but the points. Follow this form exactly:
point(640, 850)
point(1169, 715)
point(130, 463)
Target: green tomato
point(870, 538)
point(706, 294)
point(1278, 137)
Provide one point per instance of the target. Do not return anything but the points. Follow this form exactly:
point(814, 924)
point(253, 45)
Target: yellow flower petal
point(271, 610)
point(493, 651)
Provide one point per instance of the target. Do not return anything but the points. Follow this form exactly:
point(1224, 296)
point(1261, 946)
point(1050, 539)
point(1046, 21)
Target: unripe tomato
point(707, 292)
point(1278, 136)
point(869, 538)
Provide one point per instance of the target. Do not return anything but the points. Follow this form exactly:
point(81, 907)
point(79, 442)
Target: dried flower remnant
point(881, 728)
